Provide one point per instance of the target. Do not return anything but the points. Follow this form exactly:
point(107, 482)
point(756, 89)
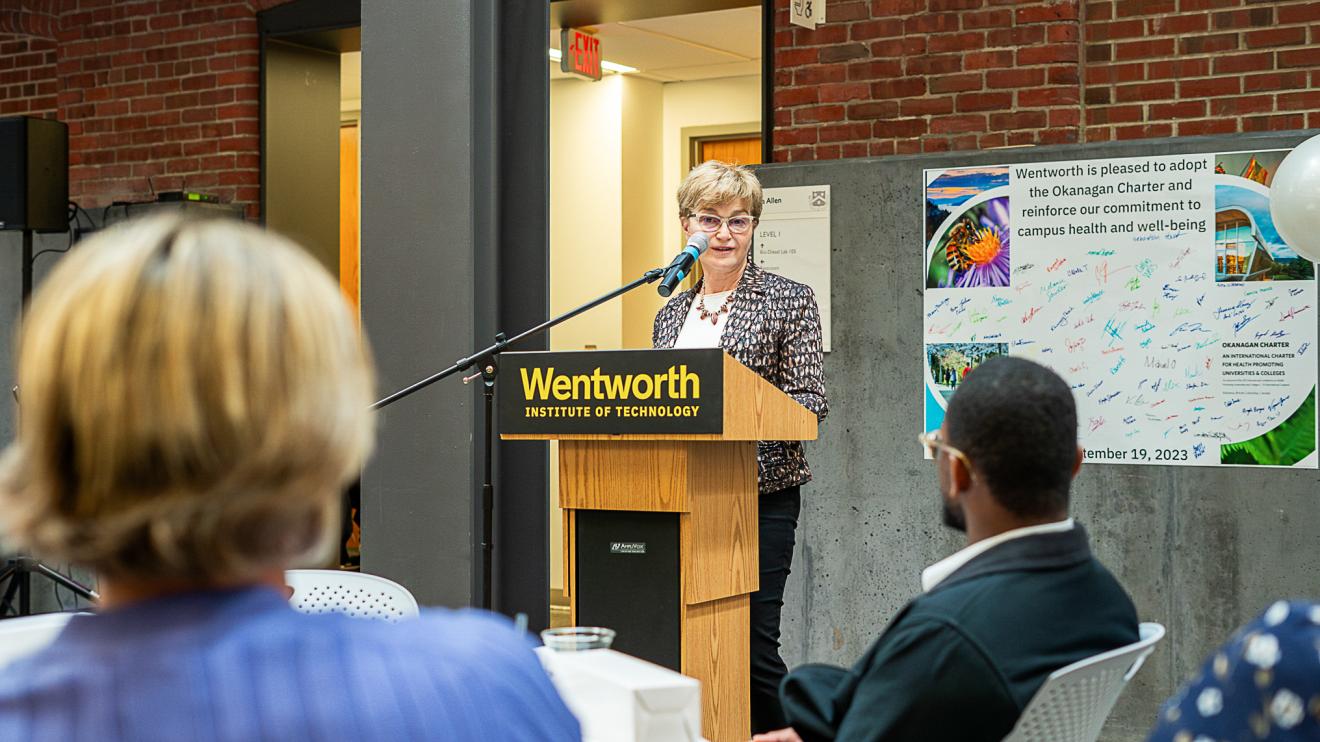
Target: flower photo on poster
point(967, 228)
point(973, 251)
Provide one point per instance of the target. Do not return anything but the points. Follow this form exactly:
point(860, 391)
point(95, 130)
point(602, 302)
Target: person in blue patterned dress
point(1262, 686)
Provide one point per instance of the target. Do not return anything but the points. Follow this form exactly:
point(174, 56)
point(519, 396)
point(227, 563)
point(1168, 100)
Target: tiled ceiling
point(699, 46)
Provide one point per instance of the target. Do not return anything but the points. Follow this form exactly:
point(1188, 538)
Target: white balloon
point(1295, 199)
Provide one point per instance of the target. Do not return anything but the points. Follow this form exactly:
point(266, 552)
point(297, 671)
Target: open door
point(301, 190)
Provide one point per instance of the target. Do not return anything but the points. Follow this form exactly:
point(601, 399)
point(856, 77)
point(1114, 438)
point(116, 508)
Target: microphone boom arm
point(502, 343)
point(488, 373)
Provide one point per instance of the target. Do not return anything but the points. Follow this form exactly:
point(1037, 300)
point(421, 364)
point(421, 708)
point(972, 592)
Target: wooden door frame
point(354, 295)
point(699, 143)
point(691, 136)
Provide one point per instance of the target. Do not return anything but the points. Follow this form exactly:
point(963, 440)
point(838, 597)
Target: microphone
point(679, 268)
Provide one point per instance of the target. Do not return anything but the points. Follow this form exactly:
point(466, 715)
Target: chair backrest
point(1074, 701)
point(26, 635)
point(350, 593)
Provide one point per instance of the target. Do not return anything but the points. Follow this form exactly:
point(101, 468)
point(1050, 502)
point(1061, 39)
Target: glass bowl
point(578, 638)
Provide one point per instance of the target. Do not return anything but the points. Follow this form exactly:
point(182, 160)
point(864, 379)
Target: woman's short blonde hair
point(193, 397)
point(713, 183)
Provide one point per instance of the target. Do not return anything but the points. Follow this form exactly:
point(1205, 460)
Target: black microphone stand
point(18, 570)
point(488, 372)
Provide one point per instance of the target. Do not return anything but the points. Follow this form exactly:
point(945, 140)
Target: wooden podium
point(660, 500)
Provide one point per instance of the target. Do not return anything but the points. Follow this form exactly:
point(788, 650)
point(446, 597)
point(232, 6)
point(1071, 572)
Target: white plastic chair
point(350, 593)
point(1074, 701)
point(26, 635)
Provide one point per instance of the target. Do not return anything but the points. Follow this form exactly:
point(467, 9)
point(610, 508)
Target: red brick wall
point(1202, 67)
point(159, 95)
point(27, 76)
point(900, 76)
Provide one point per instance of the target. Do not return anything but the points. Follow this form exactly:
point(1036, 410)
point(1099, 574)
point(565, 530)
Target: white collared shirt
point(939, 571)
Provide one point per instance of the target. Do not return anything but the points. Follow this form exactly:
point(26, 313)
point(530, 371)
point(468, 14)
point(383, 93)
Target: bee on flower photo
point(972, 251)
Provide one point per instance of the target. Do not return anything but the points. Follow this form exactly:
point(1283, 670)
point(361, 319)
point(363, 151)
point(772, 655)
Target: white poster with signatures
point(1158, 287)
point(793, 240)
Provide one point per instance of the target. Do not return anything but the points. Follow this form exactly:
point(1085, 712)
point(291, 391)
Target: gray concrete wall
point(1200, 550)
point(417, 291)
point(45, 248)
point(10, 278)
point(44, 595)
point(11, 246)
point(454, 229)
point(10, 281)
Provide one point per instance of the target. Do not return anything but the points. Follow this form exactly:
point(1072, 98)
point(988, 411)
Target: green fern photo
point(1285, 445)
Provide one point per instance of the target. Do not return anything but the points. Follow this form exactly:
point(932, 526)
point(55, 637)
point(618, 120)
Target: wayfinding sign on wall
point(793, 240)
point(1158, 287)
point(806, 13)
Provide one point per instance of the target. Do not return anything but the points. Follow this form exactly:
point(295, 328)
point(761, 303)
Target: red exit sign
point(581, 53)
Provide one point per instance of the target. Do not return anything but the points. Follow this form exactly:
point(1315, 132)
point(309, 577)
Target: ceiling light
point(605, 64)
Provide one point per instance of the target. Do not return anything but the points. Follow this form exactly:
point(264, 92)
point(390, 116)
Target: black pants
point(778, 520)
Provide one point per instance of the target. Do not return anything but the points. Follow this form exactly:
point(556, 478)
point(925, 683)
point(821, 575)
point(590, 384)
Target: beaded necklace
point(714, 316)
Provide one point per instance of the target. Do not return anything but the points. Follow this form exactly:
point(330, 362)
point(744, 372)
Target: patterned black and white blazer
point(773, 328)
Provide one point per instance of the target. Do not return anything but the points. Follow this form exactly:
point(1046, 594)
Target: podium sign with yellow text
point(612, 392)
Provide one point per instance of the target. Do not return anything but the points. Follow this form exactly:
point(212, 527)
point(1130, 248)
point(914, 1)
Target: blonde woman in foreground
point(194, 398)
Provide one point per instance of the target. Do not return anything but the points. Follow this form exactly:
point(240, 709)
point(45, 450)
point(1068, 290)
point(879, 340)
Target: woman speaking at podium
point(772, 326)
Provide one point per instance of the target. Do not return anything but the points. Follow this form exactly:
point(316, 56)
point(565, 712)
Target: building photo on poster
point(1158, 287)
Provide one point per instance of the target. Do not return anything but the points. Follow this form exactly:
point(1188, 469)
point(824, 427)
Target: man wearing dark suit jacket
point(1024, 598)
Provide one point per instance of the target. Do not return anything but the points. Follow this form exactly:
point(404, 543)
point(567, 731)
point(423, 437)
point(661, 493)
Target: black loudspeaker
point(628, 580)
point(34, 174)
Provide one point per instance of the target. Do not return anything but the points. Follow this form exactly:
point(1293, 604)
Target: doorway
point(311, 103)
point(300, 192)
point(685, 88)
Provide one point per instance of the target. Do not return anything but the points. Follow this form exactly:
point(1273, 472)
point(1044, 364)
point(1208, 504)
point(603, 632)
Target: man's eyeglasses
point(934, 441)
point(739, 224)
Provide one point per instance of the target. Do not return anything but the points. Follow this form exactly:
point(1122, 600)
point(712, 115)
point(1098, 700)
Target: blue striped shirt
point(243, 666)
